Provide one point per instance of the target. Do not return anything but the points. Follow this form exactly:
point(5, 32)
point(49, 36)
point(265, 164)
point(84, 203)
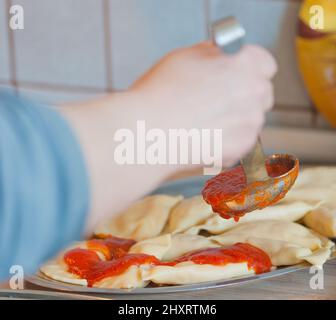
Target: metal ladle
point(228, 35)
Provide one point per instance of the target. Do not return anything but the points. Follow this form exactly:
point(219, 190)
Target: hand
point(197, 87)
point(200, 87)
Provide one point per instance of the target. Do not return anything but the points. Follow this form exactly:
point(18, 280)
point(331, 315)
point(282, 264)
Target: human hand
point(196, 87)
point(200, 87)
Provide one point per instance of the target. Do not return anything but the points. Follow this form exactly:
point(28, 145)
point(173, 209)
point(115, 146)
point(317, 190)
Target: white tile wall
point(4, 54)
point(62, 43)
point(61, 56)
point(290, 118)
point(143, 31)
point(55, 97)
point(271, 23)
point(62, 50)
point(308, 145)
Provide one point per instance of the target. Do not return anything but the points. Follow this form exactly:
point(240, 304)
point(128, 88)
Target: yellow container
point(316, 52)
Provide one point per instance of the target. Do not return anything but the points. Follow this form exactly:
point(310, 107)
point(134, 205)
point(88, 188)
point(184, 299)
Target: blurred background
point(75, 49)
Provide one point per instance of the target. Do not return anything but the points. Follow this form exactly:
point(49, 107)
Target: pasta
point(169, 247)
point(188, 213)
point(283, 211)
point(144, 219)
point(189, 272)
point(286, 243)
point(317, 186)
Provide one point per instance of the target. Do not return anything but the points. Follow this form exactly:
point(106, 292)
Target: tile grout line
point(58, 87)
point(11, 51)
point(207, 18)
point(16, 84)
point(80, 89)
point(291, 108)
point(107, 45)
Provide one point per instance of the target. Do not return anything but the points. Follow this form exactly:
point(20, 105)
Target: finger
point(258, 59)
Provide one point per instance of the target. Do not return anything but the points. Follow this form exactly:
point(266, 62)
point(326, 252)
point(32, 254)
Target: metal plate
point(41, 295)
point(43, 281)
point(187, 187)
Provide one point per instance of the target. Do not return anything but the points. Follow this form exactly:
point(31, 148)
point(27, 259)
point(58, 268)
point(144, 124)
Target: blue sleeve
point(44, 188)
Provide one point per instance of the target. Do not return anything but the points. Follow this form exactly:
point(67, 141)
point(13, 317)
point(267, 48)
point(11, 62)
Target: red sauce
point(87, 264)
point(256, 259)
point(111, 247)
point(232, 185)
point(224, 186)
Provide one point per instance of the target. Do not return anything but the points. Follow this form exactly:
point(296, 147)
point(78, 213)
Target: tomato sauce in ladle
point(231, 196)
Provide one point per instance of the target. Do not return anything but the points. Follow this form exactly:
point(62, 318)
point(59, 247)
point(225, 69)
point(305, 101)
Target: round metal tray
point(187, 187)
point(7, 294)
point(43, 281)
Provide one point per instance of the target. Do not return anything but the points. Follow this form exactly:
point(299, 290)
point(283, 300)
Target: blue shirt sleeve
point(44, 188)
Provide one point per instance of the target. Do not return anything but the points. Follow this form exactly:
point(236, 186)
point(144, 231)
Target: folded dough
point(189, 272)
point(322, 219)
point(188, 213)
point(321, 176)
point(317, 186)
point(144, 219)
point(57, 269)
point(286, 243)
point(283, 211)
point(157, 246)
point(171, 246)
point(131, 278)
point(183, 243)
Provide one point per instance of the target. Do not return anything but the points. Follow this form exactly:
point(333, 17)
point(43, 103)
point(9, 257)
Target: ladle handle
point(254, 164)
point(228, 35)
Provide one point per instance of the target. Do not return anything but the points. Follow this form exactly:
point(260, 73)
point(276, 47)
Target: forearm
point(113, 186)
